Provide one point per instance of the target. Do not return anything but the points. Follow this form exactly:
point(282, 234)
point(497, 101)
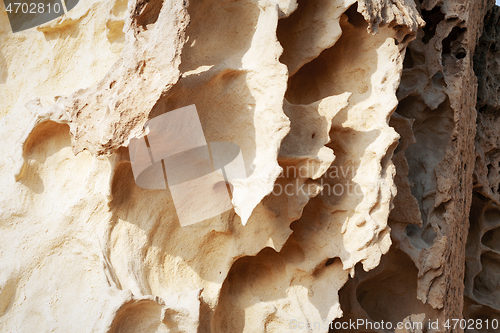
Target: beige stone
point(358, 148)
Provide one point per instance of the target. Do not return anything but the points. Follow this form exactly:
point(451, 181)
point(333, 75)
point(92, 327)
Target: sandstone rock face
point(356, 124)
point(482, 260)
point(435, 163)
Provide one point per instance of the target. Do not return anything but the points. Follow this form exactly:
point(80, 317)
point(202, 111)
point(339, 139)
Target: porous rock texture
point(424, 270)
point(356, 121)
point(482, 274)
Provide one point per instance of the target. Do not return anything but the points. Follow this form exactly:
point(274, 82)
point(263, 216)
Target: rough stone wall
point(356, 124)
point(482, 259)
point(435, 162)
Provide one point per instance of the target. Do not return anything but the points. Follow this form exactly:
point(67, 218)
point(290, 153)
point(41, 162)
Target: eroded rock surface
point(482, 260)
point(435, 161)
point(356, 125)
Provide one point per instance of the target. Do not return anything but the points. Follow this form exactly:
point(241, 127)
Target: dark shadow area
point(387, 293)
point(485, 62)
point(432, 19)
point(146, 12)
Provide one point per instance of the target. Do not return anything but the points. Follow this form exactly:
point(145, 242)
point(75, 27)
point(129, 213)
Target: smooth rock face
point(357, 128)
